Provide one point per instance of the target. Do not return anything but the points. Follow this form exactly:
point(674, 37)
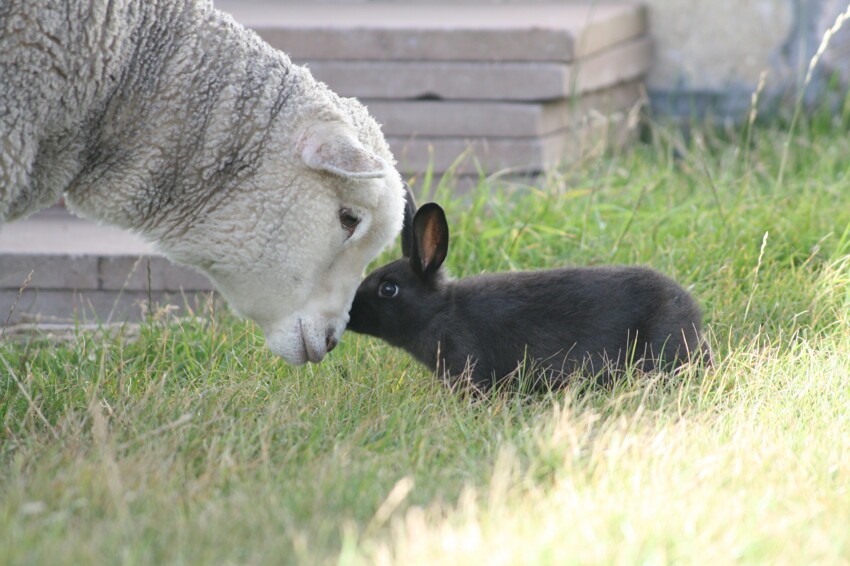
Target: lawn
point(190, 443)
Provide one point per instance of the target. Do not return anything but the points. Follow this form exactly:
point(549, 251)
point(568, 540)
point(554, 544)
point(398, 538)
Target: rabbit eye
point(348, 220)
point(388, 290)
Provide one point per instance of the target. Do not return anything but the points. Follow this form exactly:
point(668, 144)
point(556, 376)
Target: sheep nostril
point(330, 342)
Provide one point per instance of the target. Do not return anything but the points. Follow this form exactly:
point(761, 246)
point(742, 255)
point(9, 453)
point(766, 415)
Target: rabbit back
point(562, 321)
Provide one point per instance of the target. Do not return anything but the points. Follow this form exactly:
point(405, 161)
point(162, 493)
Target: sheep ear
point(430, 240)
point(407, 227)
point(331, 147)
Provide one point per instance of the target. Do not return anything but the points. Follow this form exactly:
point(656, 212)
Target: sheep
point(171, 120)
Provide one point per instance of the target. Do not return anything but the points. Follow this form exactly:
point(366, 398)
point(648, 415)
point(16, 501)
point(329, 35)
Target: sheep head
point(301, 236)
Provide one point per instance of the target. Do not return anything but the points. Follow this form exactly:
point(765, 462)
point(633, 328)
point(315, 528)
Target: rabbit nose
point(330, 341)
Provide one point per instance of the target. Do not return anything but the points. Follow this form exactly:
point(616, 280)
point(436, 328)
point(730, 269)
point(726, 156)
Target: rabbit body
point(556, 321)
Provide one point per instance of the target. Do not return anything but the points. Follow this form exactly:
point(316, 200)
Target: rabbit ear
point(431, 240)
point(407, 227)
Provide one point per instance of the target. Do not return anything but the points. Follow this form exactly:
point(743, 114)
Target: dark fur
point(559, 320)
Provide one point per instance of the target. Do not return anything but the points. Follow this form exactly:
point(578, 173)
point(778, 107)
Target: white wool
point(170, 119)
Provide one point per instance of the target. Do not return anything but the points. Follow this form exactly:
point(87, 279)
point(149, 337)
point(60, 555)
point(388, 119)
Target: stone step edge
point(92, 272)
point(442, 32)
point(486, 81)
point(410, 118)
point(38, 306)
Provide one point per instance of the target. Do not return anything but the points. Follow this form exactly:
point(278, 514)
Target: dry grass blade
point(15, 304)
point(32, 404)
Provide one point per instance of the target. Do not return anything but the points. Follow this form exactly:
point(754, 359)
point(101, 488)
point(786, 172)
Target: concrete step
point(464, 156)
point(464, 80)
point(473, 118)
point(83, 271)
point(503, 82)
point(70, 306)
point(441, 32)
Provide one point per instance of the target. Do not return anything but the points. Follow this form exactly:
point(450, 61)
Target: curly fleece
point(170, 119)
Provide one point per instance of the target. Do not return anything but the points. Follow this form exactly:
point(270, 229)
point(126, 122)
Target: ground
point(190, 443)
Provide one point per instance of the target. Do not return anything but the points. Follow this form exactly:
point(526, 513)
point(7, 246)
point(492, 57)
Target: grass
point(192, 444)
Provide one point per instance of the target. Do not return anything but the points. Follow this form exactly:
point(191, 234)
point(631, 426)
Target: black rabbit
point(596, 320)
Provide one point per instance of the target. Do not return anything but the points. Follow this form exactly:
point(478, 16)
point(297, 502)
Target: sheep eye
point(388, 290)
point(348, 220)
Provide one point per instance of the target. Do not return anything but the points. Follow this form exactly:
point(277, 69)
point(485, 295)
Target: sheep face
point(297, 255)
point(333, 255)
